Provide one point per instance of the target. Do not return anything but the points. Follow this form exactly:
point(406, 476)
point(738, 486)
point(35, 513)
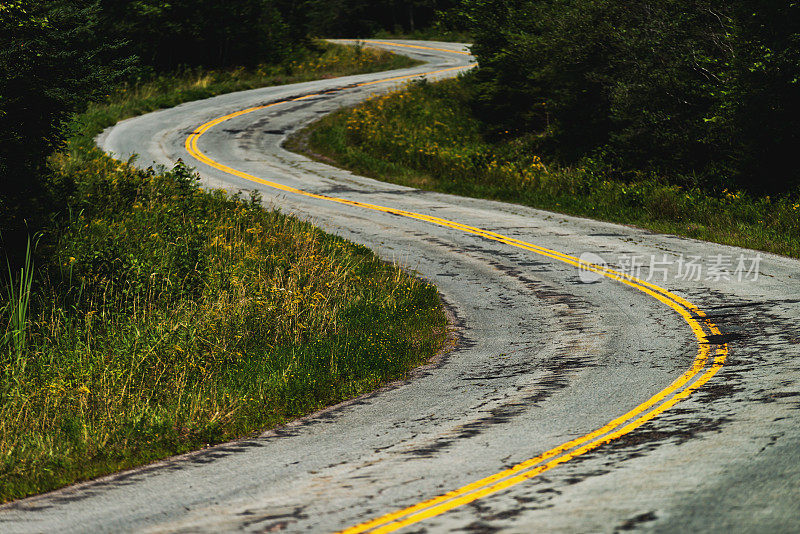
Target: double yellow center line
point(703, 368)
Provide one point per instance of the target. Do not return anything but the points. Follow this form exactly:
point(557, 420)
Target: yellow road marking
point(681, 388)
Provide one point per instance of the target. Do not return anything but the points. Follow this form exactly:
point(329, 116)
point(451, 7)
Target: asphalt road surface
point(658, 394)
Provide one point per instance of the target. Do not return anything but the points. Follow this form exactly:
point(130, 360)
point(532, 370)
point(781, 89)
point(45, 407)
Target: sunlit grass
point(178, 318)
point(425, 137)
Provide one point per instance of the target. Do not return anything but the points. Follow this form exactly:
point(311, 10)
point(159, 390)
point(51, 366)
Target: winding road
point(603, 378)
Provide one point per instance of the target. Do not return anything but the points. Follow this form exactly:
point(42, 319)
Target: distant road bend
point(586, 392)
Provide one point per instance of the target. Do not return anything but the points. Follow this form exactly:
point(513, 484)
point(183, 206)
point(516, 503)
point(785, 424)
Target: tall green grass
point(425, 137)
point(163, 318)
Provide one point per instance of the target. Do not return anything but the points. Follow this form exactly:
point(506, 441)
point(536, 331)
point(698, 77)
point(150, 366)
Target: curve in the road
point(545, 358)
point(702, 369)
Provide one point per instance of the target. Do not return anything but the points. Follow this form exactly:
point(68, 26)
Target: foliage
point(764, 101)
point(357, 18)
point(704, 91)
point(52, 60)
point(426, 137)
point(207, 33)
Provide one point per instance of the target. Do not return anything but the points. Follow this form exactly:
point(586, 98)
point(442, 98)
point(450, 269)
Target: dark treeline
point(57, 55)
point(52, 60)
point(705, 92)
point(207, 33)
point(347, 18)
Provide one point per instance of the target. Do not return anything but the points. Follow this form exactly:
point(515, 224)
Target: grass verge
point(166, 318)
point(425, 137)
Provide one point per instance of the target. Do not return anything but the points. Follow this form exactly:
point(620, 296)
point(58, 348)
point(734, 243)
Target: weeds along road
point(659, 398)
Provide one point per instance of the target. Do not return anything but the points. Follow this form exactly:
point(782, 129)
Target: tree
point(357, 18)
point(705, 91)
point(52, 61)
point(763, 102)
point(207, 33)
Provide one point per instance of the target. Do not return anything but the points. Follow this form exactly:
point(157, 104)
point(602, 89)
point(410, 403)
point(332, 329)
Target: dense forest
point(705, 92)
